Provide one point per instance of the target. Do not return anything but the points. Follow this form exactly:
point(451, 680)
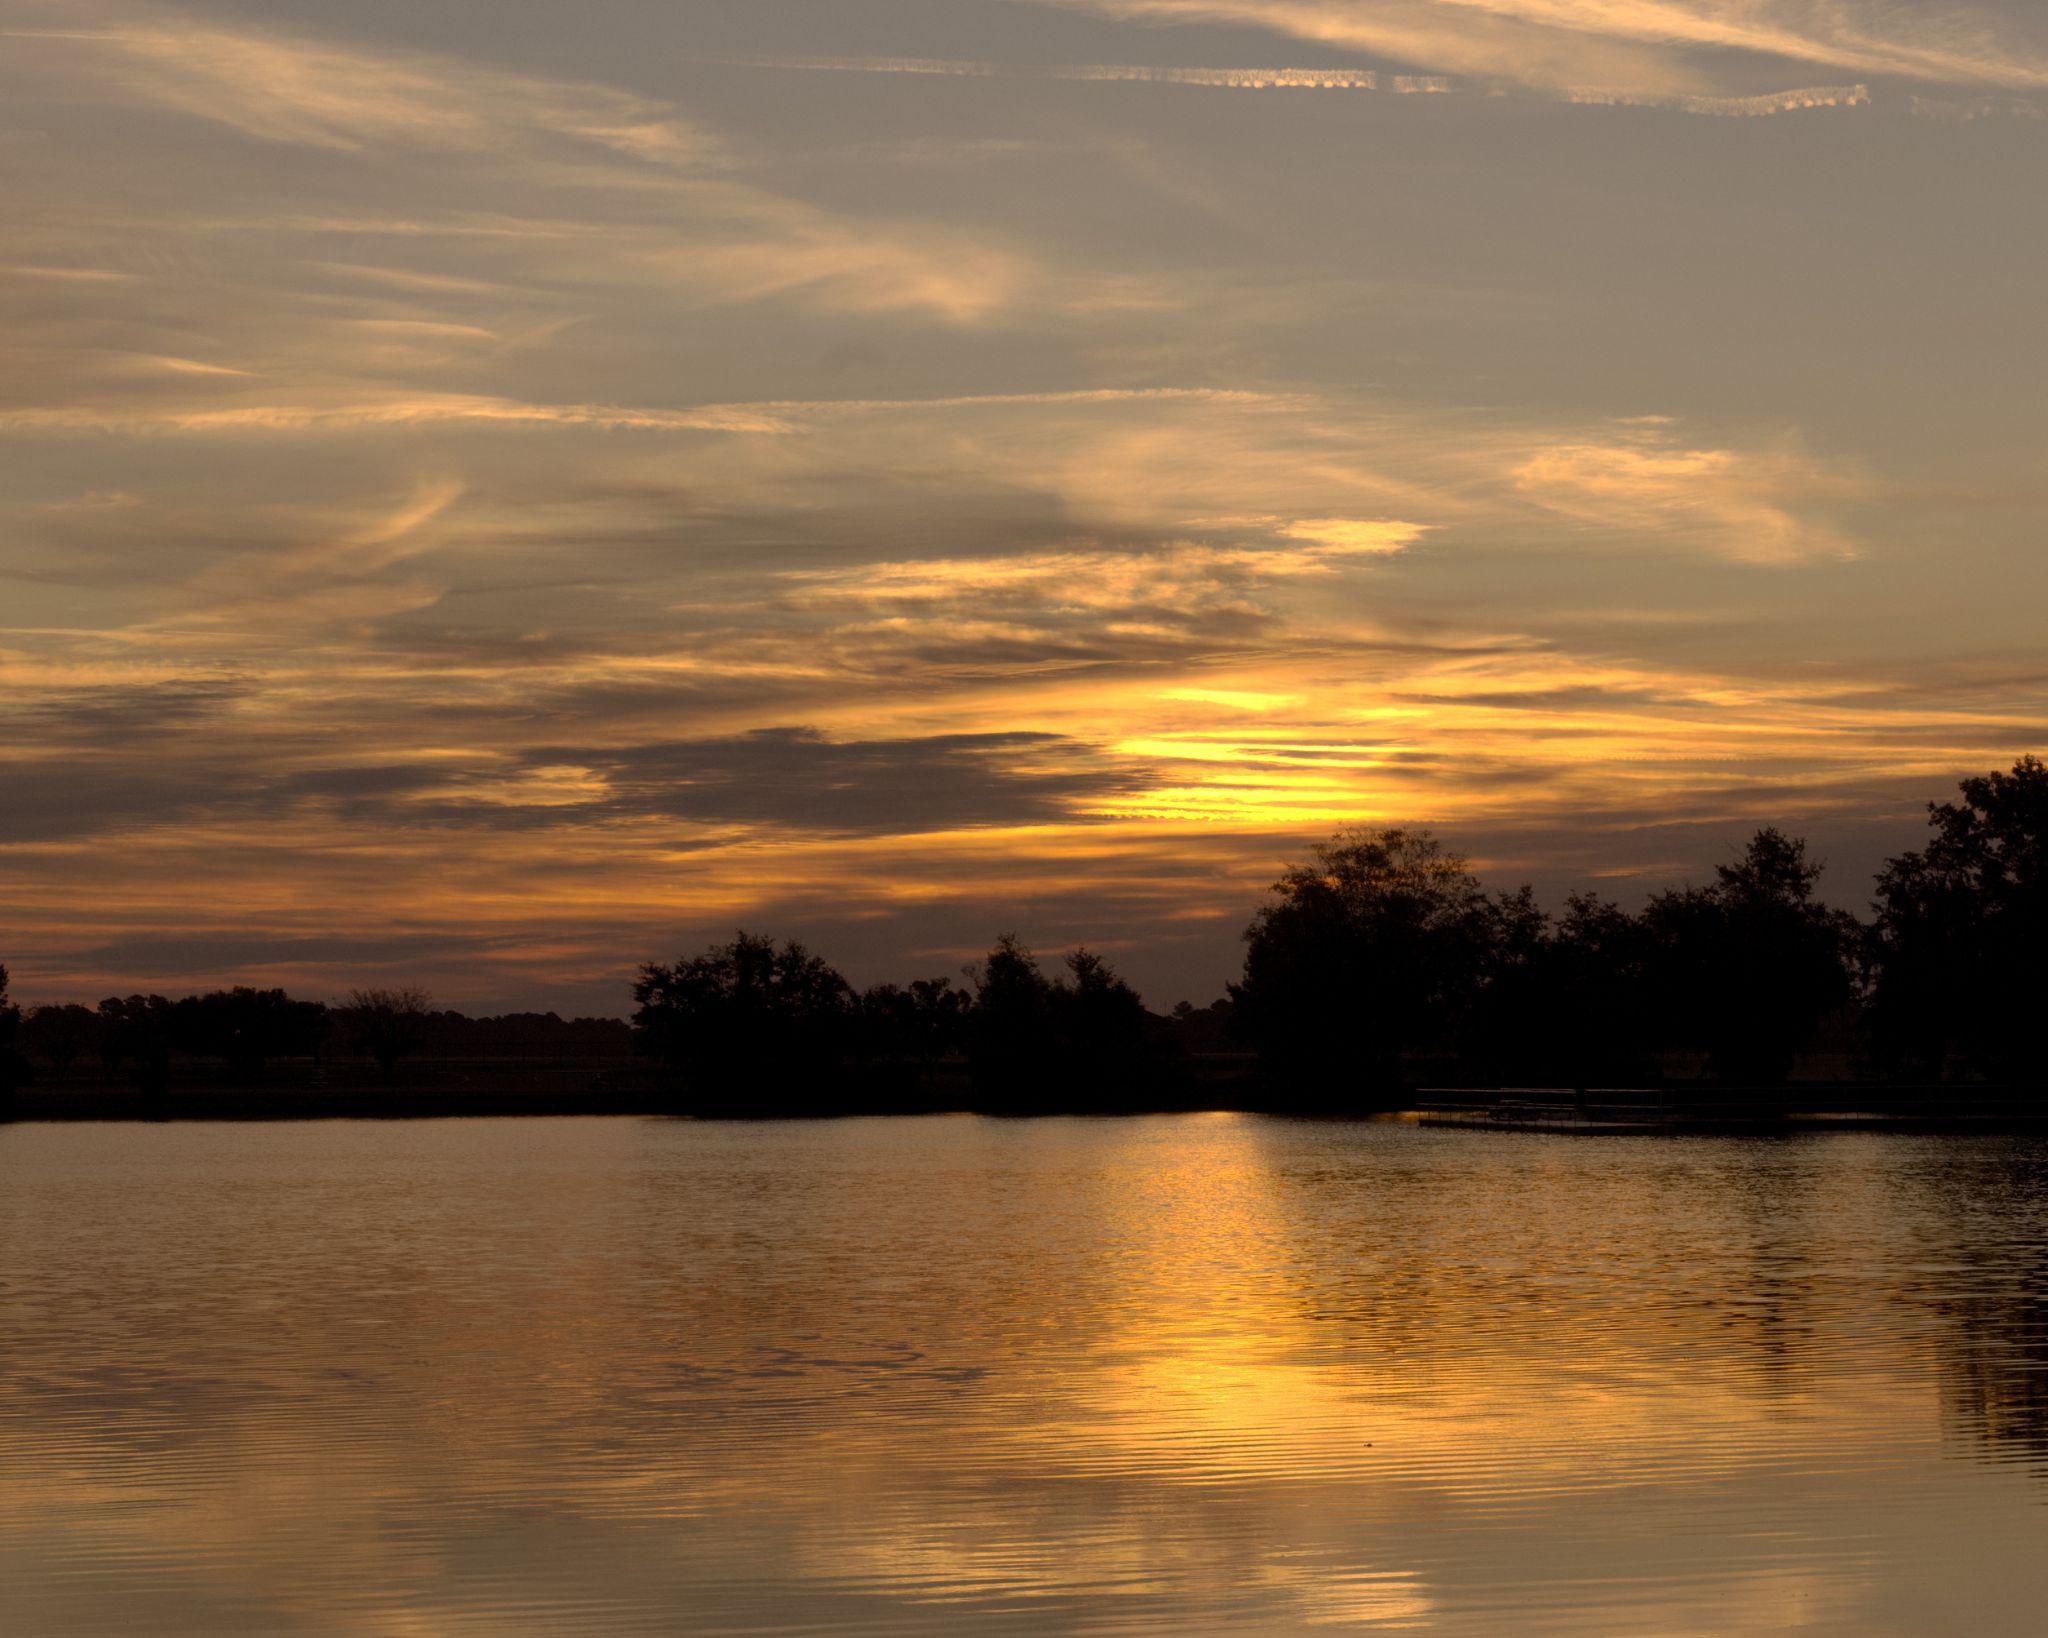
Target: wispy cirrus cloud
point(1638, 49)
point(529, 143)
point(351, 411)
point(536, 498)
point(275, 88)
point(1954, 42)
point(1766, 505)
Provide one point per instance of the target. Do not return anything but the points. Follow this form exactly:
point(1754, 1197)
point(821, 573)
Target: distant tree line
point(1383, 950)
point(753, 1027)
point(1381, 958)
point(240, 1034)
point(1378, 961)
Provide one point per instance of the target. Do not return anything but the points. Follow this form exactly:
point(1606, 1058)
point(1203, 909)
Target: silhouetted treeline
point(1383, 951)
point(1958, 950)
point(1379, 962)
point(752, 1028)
point(1382, 956)
point(241, 1036)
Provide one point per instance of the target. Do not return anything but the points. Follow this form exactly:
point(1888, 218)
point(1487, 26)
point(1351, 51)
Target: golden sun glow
point(477, 501)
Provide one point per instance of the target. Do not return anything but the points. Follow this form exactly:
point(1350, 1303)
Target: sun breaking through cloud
point(483, 510)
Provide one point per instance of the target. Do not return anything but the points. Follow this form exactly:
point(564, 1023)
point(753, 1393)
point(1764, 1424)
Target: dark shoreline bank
point(1800, 1107)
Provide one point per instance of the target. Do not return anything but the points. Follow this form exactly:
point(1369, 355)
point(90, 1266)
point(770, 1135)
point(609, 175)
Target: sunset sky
point(493, 491)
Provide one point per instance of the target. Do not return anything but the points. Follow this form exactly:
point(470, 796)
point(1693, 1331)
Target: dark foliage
point(1959, 946)
point(1104, 1032)
point(1209, 1030)
point(750, 1028)
point(136, 1033)
point(1081, 1041)
point(530, 1036)
point(915, 1028)
point(1011, 1050)
point(1509, 1029)
point(1383, 953)
point(1564, 1000)
point(60, 1035)
point(1744, 970)
point(1374, 948)
point(14, 1070)
point(246, 1028)
point(388, 1024)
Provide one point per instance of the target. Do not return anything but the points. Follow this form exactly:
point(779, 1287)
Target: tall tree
point(915, 1026)
point(1370, 948)
point(751, 1028)
point(1960, 940)
point(1509, 1031)
point(137, 1032)
point(13, 1067)
point(1745, 970)
point(1080, 1041)
point(388, 1024)
point(1011, 1047)
point(1596, 993)
point(60, 1034)
point(246, 1027)
point(1105, 1034)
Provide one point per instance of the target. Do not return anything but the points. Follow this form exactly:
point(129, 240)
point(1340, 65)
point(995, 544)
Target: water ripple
point(1216, 1374)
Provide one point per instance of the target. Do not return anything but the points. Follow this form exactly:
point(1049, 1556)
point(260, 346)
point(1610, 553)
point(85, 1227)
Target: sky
point(493, 492)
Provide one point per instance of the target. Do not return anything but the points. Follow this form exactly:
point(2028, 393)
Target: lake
point(1212, 1374)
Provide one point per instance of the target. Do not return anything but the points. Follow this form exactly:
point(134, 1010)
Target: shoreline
point(1797, 1109)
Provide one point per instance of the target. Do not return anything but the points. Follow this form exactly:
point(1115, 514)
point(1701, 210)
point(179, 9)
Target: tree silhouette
point(388, 1024)
point(1372, 947)
point(60, 1034)
point(917, 1026)
point(1510, 1031)
point(1960, 941)
point(1082, 1041)
point(1012, 1050)
point(246, 1027)
point(883, 1027)
point(938, 1015)
point(13, 1067)
point(1596, 993)
point(752, 1028)
point(1104, 1033)
point(1744, 970)
point(1379, 955)
point(137, 1031)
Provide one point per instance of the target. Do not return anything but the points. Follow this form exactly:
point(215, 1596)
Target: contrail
point(1228, 79)
point(1970, 109)
point(768, 416)
point(1299, 79)
point(1774, 102)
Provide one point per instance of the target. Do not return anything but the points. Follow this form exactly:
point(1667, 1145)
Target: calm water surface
point(1203, 1374)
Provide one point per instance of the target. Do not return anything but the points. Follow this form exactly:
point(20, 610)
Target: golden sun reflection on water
point(1202, 1373)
